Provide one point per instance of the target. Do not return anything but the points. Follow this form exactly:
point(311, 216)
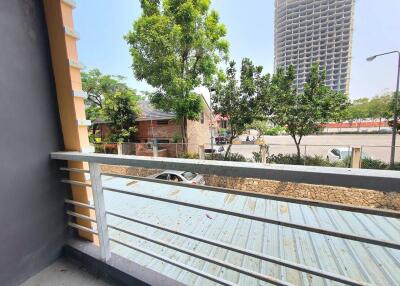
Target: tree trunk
point(298, 152)
point(297, 142)
point(229, 148)
point(184, 134)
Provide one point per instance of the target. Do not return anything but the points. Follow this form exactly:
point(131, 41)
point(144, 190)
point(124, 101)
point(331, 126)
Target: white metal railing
point(256, 170)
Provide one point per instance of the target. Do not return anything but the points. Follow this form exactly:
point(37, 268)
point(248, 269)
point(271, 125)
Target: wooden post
point(201, 152)
point(101, 220)
point(355, 158)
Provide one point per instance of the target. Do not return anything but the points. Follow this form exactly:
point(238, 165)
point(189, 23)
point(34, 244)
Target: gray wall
point(32, 224)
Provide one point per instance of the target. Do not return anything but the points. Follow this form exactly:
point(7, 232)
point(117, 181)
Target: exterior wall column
point(70, 97)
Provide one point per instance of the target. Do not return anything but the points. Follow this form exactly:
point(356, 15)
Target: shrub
point(189, 156)
point(369, 163)
point(98, 148)
point(231, 157)
point(291, 159)
point(274, 131)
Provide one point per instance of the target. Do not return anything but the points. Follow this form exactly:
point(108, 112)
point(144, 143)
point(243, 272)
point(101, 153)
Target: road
point(375, 145)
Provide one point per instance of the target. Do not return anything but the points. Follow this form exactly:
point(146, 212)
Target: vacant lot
point(375, 145)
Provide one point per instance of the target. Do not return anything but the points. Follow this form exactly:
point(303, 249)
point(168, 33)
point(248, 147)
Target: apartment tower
point(307, 31)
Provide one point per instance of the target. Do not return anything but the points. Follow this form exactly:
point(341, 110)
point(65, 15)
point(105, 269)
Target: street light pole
point(395, 111)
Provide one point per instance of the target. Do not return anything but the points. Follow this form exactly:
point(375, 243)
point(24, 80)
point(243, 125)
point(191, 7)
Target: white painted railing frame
point(101, 216)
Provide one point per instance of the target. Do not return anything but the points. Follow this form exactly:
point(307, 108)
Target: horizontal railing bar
point(79, 204)
point(77, 226)
point(239, 269)
point(380, 180)
point(177, 264)
point(315, 203)
point(296, 266)
point(348, 236)
point(77, 170)
point(81, 216)
point(77, 183)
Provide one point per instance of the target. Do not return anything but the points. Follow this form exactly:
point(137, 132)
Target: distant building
point(160, 126)
point(307, 31)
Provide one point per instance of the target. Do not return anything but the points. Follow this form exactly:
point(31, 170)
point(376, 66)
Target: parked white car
point(180, 176)
point(341, 153)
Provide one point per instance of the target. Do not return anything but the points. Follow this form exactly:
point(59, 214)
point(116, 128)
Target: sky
point(250, 24)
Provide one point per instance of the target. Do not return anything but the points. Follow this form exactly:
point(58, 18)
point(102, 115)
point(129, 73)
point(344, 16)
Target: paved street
point(375, 145)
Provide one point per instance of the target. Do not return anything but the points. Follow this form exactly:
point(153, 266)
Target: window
point(189, 175)
point(163, 177)
point(162, 122)
point(202, 118)
point(162, 141)
point(223, 124)
point(336, 152)
point(175, 178)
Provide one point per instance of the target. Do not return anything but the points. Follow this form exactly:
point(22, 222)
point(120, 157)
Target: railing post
point(201, 152)
point(101, 220)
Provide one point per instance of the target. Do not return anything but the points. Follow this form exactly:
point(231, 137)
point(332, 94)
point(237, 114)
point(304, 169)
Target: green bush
point(369, 163)
point(274, 131)
point(98, 148)
point(291, 159)
point(189, 156)
point(231, 157)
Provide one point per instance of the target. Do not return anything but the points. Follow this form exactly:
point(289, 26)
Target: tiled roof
point(149, 112)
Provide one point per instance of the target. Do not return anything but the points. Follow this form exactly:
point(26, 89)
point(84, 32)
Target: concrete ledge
point(118, 269)
point(382, 180)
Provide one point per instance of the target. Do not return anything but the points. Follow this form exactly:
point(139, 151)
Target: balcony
point(202, 235)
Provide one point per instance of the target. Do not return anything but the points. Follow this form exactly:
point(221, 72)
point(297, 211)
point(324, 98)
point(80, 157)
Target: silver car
point(342, 153)
point(180, 176)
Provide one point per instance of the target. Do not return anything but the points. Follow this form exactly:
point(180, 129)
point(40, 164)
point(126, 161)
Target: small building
point(160, 126)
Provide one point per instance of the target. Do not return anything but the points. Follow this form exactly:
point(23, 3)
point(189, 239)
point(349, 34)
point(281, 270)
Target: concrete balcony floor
point(64, 272)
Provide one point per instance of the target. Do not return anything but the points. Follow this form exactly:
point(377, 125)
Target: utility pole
point(395, 106)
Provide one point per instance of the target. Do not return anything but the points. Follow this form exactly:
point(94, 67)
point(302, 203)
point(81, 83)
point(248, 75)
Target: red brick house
point(161, 126)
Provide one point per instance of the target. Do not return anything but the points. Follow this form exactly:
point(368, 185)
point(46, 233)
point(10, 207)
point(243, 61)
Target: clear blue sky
point(250, 25)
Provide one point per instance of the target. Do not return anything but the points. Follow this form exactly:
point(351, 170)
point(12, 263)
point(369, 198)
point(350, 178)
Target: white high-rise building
point(307, 31)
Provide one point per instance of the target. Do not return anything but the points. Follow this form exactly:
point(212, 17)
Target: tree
point(176, 46)
point(238, 102)
point(110, 99)
point(377, 107)
point(302, 113)
point(121, 109)
point(96, 85)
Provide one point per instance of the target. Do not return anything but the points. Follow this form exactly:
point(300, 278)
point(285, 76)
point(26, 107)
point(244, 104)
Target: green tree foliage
point(111, 100)
point(377, 107)
point(238, 101)
point(96, 85)
point(121, 109)
point(176, 46)
point(302, 113)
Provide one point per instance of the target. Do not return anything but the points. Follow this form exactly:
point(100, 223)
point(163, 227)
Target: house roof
point(149, 112)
